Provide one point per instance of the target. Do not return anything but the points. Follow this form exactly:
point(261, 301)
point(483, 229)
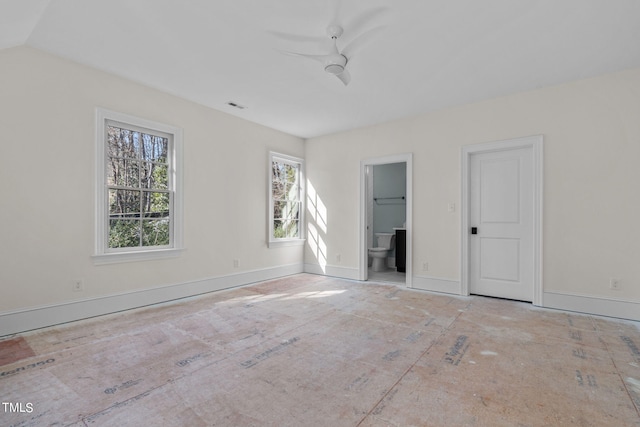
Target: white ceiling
point(431, 55)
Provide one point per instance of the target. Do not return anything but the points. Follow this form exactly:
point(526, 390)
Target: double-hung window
point(286, 196)
point(138, 188)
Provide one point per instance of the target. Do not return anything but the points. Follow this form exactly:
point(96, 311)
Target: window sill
point(285, 242)
point(119, 257)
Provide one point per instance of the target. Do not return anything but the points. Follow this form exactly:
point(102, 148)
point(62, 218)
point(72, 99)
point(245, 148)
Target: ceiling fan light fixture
point(334, 68)
point(335, 63)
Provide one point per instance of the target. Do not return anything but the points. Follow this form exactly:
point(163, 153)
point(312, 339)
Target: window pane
point(278, 190)
point(285, 194)
point(122, 142)
point(156, 204)
point(286, 210)
point(123, 172)
point(139, 183)
point(283, 229)
point(293, 211)
point(155, 232)
point(124, 204)
point(292, 229)
point(154, 176)
point(124, 233)
point(278, 171)
point(154, 148)
point(293, 191)
point(278, 229)
point(291, 174)
point(278, 209)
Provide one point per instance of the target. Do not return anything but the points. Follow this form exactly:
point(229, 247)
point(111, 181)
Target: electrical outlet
point(338, 257)
point(236, 263)
point(77, 285)
point(425, 266)
point(614, 284)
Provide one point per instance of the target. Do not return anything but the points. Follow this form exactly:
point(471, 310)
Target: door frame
point(406, 158)
point(536, 144)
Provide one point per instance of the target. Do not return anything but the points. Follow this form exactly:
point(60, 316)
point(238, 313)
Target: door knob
point(474, 230)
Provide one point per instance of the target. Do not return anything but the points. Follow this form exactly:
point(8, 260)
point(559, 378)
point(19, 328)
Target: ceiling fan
point(336, 60)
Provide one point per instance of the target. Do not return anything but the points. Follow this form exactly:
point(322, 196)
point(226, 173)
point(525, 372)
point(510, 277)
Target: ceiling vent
point(234, 105)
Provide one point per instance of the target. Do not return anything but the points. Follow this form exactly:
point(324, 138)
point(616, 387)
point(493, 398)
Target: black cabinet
point(401, 250)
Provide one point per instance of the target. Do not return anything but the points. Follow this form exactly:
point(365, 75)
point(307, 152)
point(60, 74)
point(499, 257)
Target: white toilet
point(386, 242)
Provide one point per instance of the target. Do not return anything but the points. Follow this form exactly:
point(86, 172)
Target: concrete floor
point(314, 351)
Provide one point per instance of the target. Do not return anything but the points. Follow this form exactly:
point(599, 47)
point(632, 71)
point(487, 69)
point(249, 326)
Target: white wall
point(47, 119)
point(591, 134)
point(47, 126)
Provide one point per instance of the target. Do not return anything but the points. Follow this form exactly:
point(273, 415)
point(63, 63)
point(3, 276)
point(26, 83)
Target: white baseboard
point(587, 304)
point(40, 317)
point(592, 305)
point(333, 271)
point(436, 284)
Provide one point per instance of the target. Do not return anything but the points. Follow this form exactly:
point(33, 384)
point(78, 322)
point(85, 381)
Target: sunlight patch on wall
point(316, 208)
point(317, 246)
point(316, 226)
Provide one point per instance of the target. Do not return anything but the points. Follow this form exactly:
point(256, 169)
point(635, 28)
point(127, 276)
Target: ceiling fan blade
point(366, 17)
point(319, 58)
point(361, 41)
point(344, 77)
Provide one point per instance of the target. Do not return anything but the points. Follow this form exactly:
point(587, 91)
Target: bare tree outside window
point(139, 196)
point(286, 200)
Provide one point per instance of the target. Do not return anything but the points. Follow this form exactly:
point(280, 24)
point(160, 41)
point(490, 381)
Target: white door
point(501, 216)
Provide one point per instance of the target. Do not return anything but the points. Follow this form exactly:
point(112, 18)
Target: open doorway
point(385, 219)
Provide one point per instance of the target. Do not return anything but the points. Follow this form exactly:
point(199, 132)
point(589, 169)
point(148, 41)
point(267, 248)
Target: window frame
point(272, 241)
point(102, 253)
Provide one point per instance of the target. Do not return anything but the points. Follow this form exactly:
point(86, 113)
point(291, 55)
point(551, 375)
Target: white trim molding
point(588, 304)
point(272, 241)
point(436, 284)
point(332, 271)
point(120, 257)
point(55, 314)
point(536, 144)
point(104, 255)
